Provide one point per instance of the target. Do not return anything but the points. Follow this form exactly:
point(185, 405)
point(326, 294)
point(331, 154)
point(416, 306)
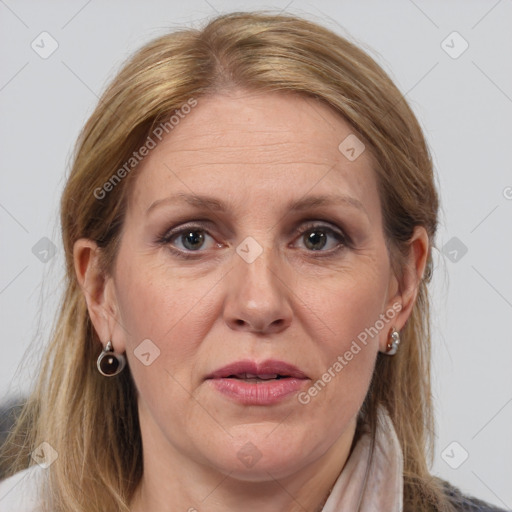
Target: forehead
point(248, 144)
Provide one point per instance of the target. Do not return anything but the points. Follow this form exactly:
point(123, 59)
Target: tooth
point(253, 376)
point(267, 376)
point(263, 376)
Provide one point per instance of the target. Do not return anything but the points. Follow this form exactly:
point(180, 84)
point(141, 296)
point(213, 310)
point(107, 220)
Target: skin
point(257, 153)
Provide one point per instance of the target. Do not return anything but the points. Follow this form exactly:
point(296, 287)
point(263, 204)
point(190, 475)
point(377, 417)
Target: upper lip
point(265, 368)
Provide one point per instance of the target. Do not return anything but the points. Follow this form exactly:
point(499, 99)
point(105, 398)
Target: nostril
point(260, 326)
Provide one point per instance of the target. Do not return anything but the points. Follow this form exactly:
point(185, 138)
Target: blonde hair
point(92, 421)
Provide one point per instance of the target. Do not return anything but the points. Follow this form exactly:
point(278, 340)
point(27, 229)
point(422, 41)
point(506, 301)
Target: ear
point(97, 288)
point(404, 288)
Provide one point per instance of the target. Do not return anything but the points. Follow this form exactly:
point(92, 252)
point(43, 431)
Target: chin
point(253, 458)
point(278, 467)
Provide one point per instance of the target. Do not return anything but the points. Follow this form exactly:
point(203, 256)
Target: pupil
point(315, 240)
point(193, 239)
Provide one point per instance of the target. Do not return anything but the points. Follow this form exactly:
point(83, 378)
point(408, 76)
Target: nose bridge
point(260, 272)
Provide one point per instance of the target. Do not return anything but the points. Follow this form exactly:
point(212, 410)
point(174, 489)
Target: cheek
point(348, 306)
point(174, 314)
point(152, 302)
point(350, 311)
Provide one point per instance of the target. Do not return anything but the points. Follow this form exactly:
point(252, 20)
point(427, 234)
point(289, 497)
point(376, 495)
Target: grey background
point(463, 103)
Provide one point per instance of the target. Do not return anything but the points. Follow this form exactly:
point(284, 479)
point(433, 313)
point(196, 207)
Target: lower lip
point(266, 392)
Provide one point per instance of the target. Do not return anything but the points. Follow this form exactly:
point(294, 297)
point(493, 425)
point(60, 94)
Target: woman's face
point(251, 239)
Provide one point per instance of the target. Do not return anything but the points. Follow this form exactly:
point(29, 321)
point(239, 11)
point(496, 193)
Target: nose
point(258, 300)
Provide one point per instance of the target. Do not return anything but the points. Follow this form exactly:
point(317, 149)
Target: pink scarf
point(384, 490)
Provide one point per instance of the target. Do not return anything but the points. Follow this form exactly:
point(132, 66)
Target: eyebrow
point(305, 203)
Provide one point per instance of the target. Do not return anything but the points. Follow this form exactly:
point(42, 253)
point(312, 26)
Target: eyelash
point(344, 241)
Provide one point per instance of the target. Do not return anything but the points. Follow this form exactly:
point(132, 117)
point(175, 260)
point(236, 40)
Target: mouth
point(250, 371)
point(264, 384)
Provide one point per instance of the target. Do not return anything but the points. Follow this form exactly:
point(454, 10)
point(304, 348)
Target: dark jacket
point(465, 503)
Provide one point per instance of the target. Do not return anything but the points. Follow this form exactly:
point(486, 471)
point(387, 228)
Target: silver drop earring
point(110, 363)
point(392, 346)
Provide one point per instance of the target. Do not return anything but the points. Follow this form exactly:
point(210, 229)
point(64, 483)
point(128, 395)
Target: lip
point(264, 392)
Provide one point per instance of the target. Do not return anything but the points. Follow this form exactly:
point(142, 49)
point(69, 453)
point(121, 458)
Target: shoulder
point(464, 503)
point(20, 492)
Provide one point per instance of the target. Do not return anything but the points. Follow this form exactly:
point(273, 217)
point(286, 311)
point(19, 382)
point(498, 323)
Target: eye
point(192, 239)
point(322, 238)
point(188, 239)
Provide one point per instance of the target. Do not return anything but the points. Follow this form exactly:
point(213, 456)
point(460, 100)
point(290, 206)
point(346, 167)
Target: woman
point(248, 229)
